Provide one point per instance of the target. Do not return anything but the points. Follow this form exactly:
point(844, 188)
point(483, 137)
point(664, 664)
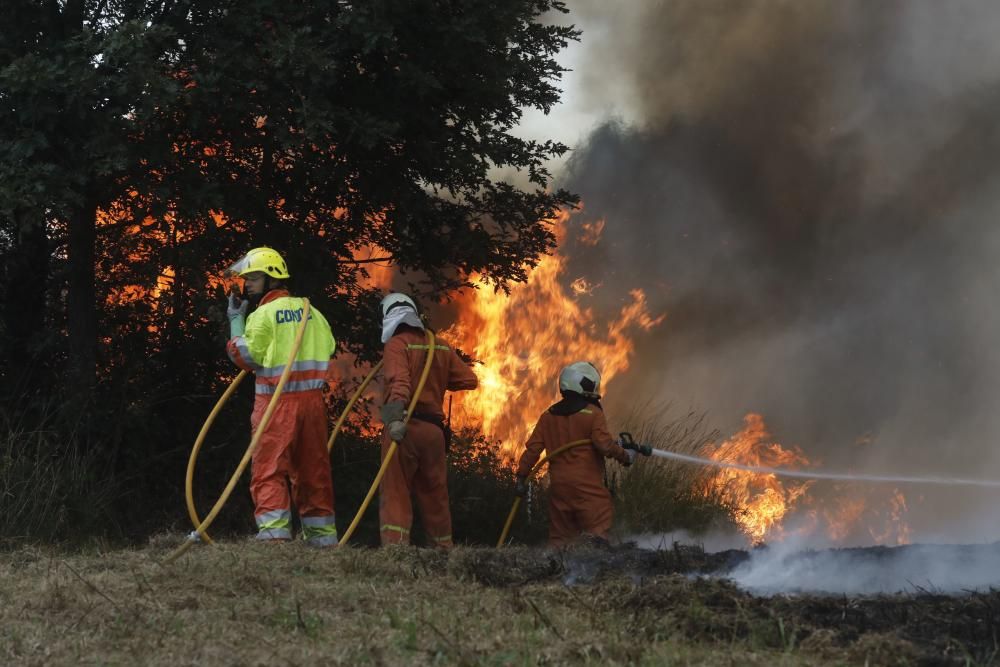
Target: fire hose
point(201, 526)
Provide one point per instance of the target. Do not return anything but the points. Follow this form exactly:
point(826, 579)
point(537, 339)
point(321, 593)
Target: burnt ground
point(688, 589)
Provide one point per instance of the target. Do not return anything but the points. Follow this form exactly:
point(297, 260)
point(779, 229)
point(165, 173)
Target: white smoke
point(788, 567)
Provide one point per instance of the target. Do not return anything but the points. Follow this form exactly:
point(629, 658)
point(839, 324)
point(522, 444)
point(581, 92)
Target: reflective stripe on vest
point(242, 353)
point(291, 386)
point(308, 365)
point(269, 337)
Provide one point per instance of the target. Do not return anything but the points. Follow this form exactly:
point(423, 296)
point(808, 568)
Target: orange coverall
point(579, 503)
point(419, 466)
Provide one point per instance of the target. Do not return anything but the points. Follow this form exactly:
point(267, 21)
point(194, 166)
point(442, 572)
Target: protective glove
point(393, 411)
point(236, 311)
point(521, 487)
point(631, 454)
point(397, 430)
point(626, 442)
point(237, 307)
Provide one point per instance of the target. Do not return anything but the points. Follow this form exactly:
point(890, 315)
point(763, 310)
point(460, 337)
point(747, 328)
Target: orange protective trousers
point(292, 449)
point(418, 469)
point(578, 509)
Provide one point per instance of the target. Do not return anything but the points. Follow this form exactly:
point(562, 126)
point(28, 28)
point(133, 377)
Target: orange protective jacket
point(404, 356)
point(419, 468)
point(578, 500)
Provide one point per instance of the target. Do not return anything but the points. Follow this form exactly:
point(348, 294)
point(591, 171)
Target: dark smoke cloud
point(810, 191)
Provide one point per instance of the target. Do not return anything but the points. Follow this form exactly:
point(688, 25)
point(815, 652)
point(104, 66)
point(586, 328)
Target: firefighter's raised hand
point(236, 311)
point(237, 307)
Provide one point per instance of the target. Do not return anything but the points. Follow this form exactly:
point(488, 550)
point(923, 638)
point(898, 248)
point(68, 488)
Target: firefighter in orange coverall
point(419, 467)
point(579, 503)
point(293, 448)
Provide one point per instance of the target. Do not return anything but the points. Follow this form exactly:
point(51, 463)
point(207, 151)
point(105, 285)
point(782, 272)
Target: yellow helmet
point(266, 260)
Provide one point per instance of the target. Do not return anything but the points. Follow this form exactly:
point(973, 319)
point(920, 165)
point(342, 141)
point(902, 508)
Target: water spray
point(806, 474)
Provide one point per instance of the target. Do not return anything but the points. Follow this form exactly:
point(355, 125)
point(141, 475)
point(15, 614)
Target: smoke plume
point(809, 191)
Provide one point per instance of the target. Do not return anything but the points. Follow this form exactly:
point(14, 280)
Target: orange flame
point(765, 503)
point(524, 339)
point(762, 499)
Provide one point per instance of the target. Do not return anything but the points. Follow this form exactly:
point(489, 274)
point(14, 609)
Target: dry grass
point(659, 495)
point(51, 488)
point(244, 603)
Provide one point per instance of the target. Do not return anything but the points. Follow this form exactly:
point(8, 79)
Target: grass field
point(243, 603)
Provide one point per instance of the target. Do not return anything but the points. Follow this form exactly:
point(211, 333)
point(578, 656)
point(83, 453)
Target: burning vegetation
point(521, 338)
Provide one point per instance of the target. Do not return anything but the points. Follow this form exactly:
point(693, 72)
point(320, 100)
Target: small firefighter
point(419, 467)
point(293, 448)
point(579, 503)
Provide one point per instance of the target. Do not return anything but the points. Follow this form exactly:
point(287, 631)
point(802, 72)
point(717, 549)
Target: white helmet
point(395, 300)
point(581, 377)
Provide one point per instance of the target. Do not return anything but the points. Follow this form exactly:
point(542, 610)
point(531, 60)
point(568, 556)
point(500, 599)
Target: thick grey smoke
point(810, 191)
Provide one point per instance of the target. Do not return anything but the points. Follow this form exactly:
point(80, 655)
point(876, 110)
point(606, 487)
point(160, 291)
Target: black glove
point(521, 487)
point(627, 443)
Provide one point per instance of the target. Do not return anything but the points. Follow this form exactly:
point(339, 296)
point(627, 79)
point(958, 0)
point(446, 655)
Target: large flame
point(524, 338)
point(766, 504)
point(762, 499)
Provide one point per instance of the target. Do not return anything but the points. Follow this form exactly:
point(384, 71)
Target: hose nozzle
point(626, 442)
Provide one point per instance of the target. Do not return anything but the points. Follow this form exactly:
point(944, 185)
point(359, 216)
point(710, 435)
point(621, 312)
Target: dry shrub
point(659, 495)
point(52, 490)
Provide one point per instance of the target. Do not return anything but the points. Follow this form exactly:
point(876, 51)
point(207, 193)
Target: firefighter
point(293, 447)
point(579, 503)
point(419, 467)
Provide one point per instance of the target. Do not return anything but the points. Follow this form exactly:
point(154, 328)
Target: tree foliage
point(146, 144)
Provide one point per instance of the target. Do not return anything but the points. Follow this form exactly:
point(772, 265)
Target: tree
point(146, 144)
point(321, 128)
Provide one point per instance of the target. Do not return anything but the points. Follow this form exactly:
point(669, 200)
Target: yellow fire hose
point(350, 405)
point(392, 448)
point(202, 526)
point(189, 477)
point(534, 469)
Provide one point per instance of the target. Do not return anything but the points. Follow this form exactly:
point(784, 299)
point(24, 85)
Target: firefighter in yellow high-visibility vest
point(293, 448)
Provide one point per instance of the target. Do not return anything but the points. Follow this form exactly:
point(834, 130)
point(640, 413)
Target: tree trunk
point(25, 304)
point(82, 298)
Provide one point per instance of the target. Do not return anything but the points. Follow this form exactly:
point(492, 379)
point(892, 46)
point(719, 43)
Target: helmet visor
point(239, 267)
